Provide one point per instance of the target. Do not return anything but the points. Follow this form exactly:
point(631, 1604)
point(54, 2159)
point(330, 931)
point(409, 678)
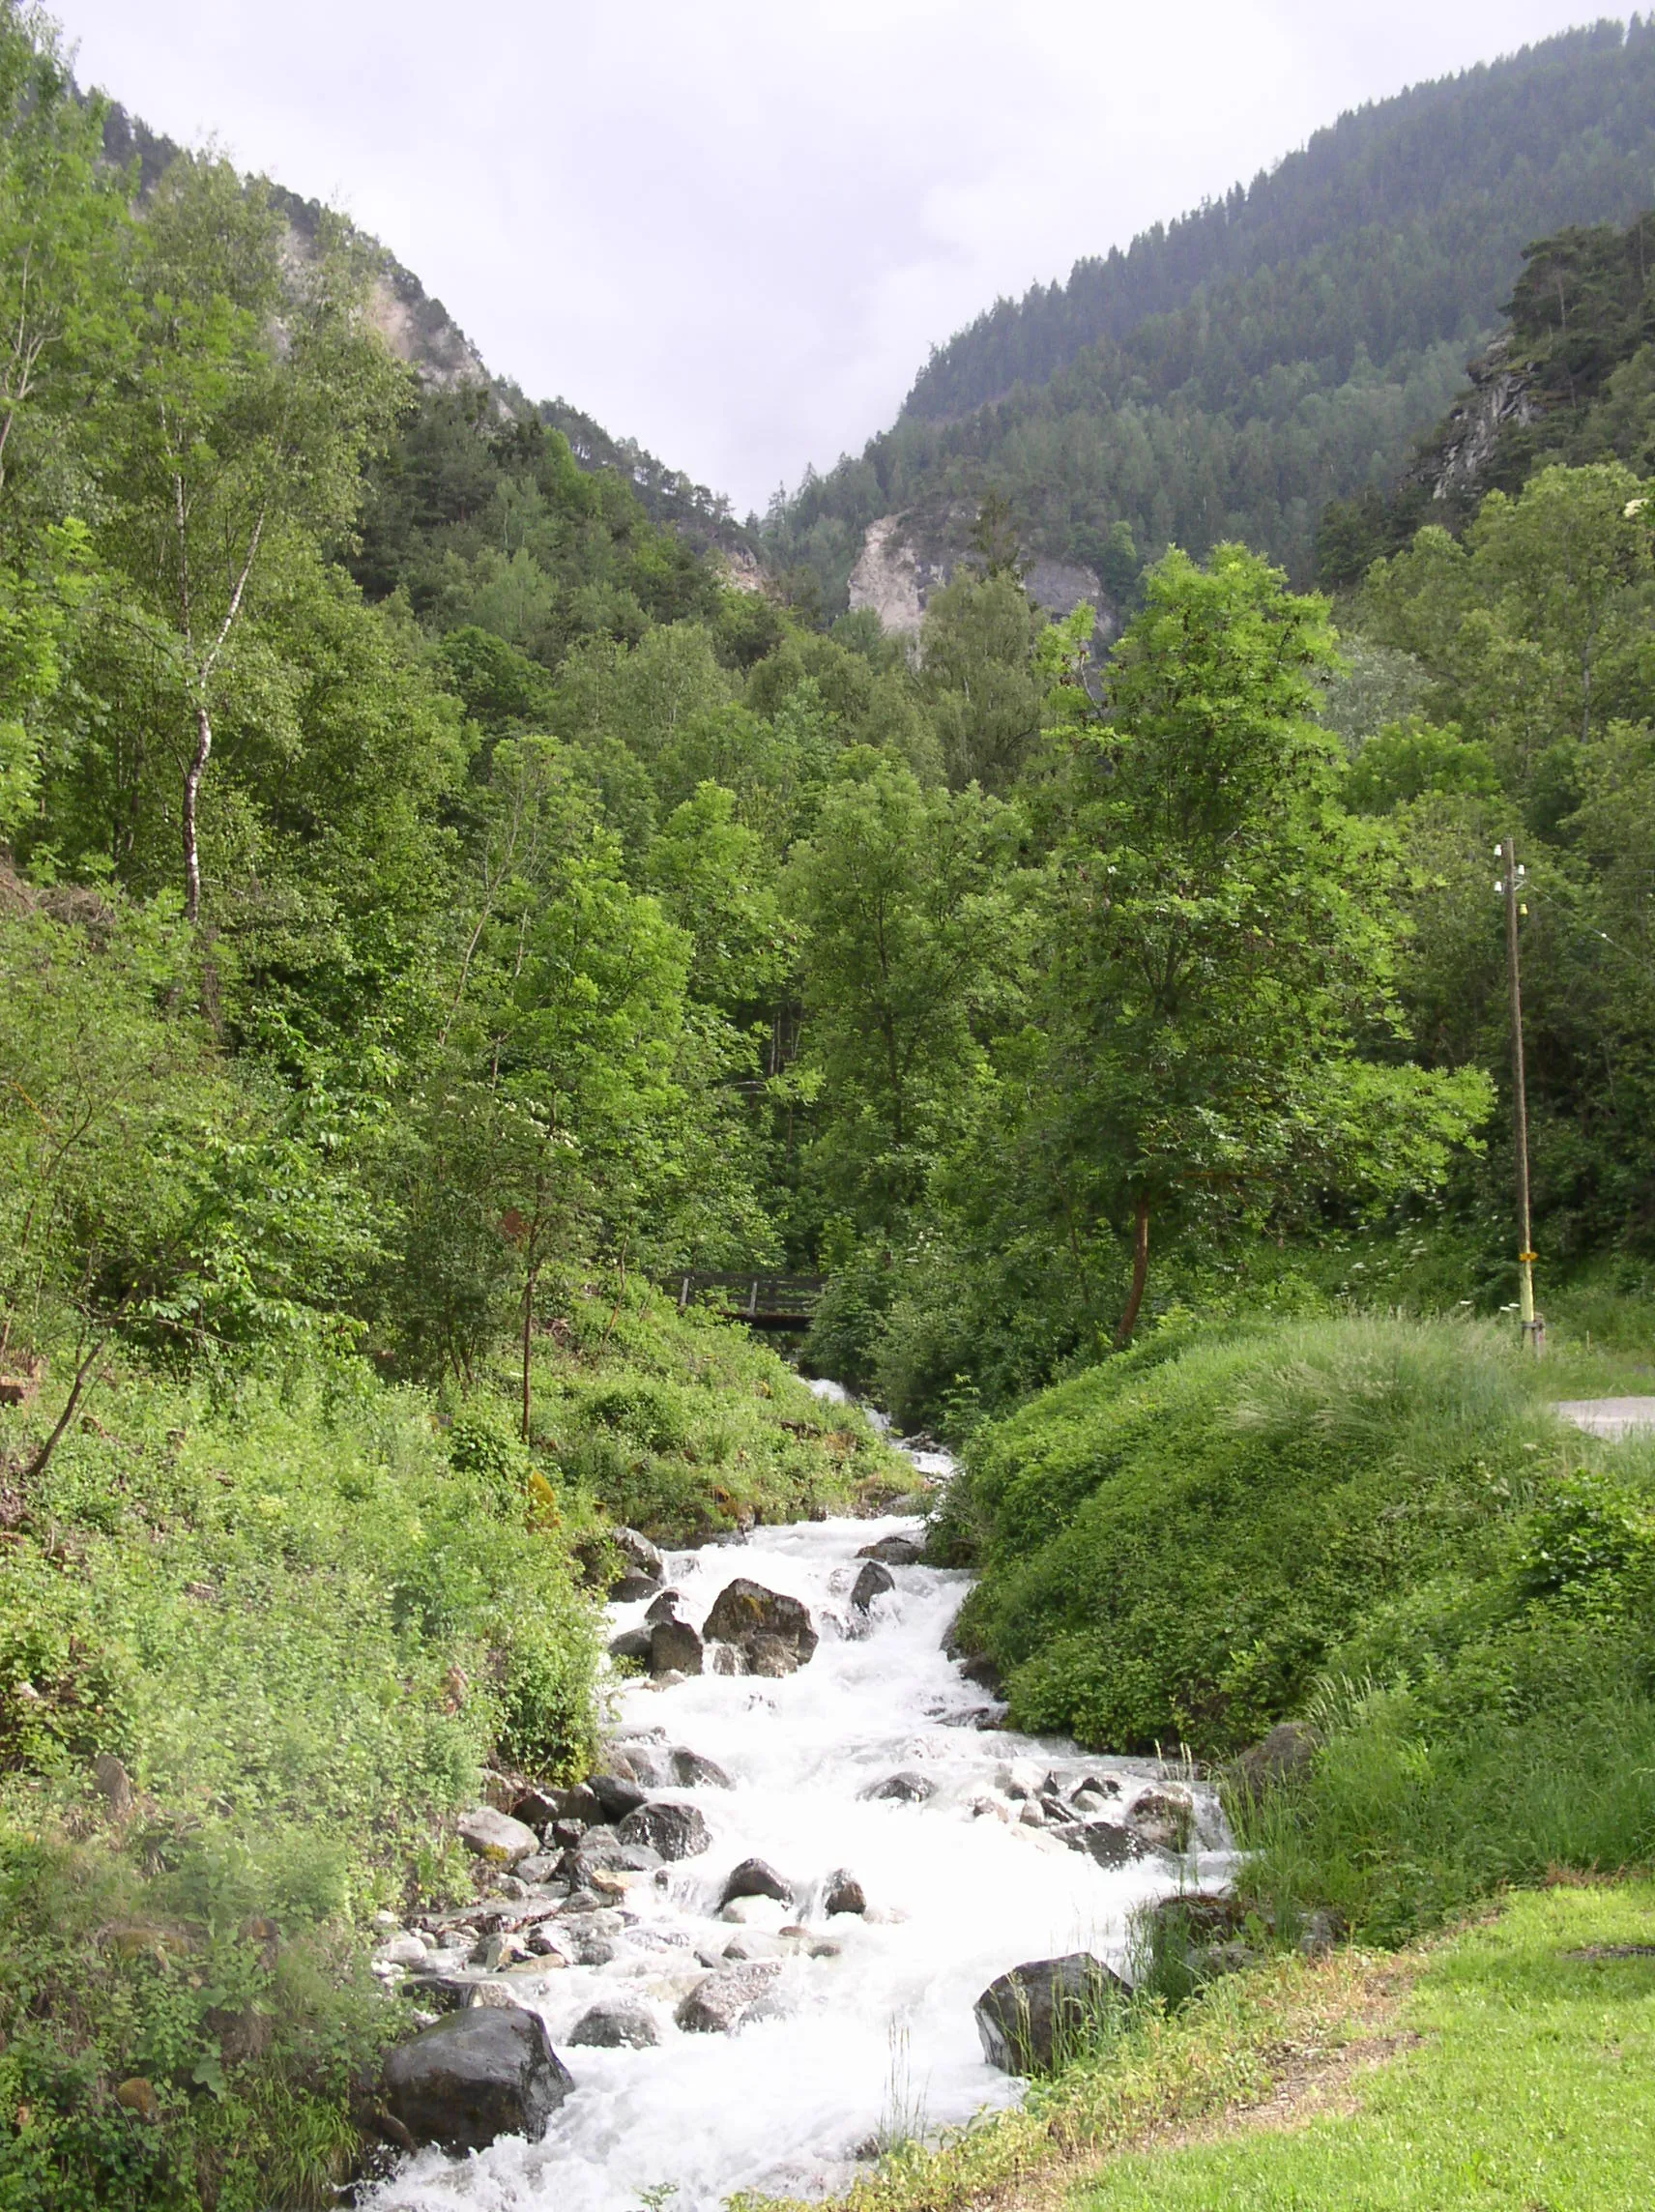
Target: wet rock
point(907, 1787)
point(639, 1553)
point(726, 1999)
point(690, 1771)
point(726, 1659)
point(493, 1952)
point(674, 1649)
point(980, 1669)
point(616, 1795)
point(664, 1608)
point(1030, 1813)
point(579, 1804)
point(616, 2027)
point(894, 1552)
point(873, 1581)
point(674, 1831)
point(496, 1837)
point(1107, 1841)
point(746, 1616)
point(754, 1944)
point(1094, 1790)
point(630, 1643)
point(476, 2075)
point(1164, 1818)
point(1017, 1781)
point(402, 1951)
point(536, 1808)
point(844, 1894)
point(1034, 2017)
point(631, 1587)
point(606, 1850)
point(754, 1878)
point(1285, 1753)
point(550, 1944)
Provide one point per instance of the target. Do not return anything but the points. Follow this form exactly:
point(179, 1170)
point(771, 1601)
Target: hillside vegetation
point(1228, 375)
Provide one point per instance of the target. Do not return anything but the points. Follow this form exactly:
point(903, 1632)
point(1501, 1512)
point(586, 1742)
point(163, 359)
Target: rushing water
point(877, 2037)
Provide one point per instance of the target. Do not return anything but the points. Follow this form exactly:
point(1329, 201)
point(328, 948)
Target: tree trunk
point(1140, 1274)
point(528, 1343)
point(37, 1467)
point(191, 790)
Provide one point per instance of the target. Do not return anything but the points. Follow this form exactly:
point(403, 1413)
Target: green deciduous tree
point(1223, 932)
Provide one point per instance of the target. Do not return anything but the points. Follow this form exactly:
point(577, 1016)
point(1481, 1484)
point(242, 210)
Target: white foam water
point(875, 2039)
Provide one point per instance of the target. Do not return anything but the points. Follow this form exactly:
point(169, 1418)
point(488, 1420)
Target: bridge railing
point(765, 1301)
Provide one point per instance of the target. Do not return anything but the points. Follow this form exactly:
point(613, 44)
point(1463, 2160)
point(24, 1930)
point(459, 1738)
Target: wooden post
point(1532, 1326)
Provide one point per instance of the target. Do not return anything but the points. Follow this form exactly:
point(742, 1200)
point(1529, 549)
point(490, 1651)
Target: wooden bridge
point(761, 1301)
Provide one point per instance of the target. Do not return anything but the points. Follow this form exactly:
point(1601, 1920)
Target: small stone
point(616, 2027)
point(610, 1881)
point(1030, 1815)
point(543, 1865)
point(755, 1877)
point(579, 1804)
point(402, 1951)
point(676, 1831)
point(496, 1837)
point(844, 1894)
point(136, 2095)
point(664, 1608)
point(1165, 1818)
point(827, 1949)
point(550, 1944)
point(754, 1944)
point(113, 1783)
point(907, 1787)
point(536, 1808)
point(1107, 1841)
point(873, 1581)
point(496, 1951)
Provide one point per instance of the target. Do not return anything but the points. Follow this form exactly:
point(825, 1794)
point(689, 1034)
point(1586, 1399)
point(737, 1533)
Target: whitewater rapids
point(878, 2040)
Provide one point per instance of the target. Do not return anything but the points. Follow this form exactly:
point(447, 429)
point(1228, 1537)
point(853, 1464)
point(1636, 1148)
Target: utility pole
point(1532, 1326)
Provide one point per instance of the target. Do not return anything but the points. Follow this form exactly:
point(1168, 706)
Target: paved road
point(1608, 1416)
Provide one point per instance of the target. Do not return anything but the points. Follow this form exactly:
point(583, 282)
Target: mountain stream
point(870, 2035)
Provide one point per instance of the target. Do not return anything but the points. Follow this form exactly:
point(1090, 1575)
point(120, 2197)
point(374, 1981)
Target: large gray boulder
point(1045, 2012)
point(617, 1795)
point(476, 2075)
point(676, 1831)
point(1107, 1841)
point(639, 1554)
point(691, 1771)
point(1164, 1818)
point(772, 1632)
point(496, 1835)
point(720, 2004)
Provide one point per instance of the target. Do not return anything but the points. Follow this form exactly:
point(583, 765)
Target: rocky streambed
point(751, 1953)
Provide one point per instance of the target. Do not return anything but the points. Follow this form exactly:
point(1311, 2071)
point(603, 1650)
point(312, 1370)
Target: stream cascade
point(867, 2034)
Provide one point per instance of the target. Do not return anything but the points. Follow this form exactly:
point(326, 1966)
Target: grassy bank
point(303, 1614)
point(1375, 1526)
point(1508, 2066)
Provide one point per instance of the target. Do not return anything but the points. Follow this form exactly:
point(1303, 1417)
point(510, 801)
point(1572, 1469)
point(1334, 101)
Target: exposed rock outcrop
point(479, 2073)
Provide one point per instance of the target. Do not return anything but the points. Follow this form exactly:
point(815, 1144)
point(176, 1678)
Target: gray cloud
point(733, 230)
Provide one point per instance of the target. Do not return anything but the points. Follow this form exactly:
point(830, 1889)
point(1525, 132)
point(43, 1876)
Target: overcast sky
point(732, 230)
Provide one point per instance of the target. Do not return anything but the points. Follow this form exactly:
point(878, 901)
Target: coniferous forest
point(455, 885)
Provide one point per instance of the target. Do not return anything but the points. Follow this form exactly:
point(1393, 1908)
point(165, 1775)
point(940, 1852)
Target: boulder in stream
point(639, 1554)
point(1165, 1818)
point(674, 1649)
point(690, 1771)
point(1034, 2017)
point(844, 1894)
point(894, 1552)
point(906, 1787)
point(478, 2074)
point(631, 1587)
point(724, 2000)
point(873, 1581)
point(1107, 1841)
point(664, 1608)
point(617, 1795)
point(676, 1831)
point(616, 2027)
point(771, 1632)
point(630, 1643)
point(754, 1878)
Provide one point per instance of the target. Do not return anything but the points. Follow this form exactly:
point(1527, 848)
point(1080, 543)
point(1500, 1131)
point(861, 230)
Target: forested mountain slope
point(1228, 377)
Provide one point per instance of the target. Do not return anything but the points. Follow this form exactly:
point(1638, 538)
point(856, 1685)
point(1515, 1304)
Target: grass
point(1531, 2085)
point(1487, 2069)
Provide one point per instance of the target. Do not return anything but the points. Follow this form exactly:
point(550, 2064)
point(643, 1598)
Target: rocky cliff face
point(907, 556)
point(1501, 398)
